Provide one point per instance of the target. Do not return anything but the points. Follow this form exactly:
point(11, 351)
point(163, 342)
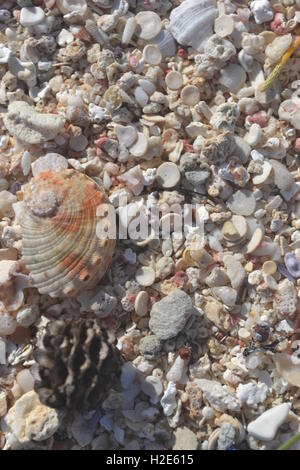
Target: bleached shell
point(165, 42)
point(192, 22)
point(62, 215)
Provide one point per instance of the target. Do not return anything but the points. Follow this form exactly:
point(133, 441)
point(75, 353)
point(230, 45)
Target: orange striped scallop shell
point(59, 217)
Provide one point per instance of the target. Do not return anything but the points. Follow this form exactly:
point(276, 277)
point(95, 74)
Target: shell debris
point(149, 224)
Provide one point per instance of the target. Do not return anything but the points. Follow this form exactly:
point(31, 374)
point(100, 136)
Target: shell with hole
point(192, 22)
point(68, 232)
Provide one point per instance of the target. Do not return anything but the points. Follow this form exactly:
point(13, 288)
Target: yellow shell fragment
point(63, 248)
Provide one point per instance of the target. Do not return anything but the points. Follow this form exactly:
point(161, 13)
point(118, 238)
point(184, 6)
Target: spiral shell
point(62, 246)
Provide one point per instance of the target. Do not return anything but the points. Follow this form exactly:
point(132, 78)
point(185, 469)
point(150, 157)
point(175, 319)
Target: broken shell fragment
point(140, 147)
point(126, 135)
point(292, 265)
point(66, 247)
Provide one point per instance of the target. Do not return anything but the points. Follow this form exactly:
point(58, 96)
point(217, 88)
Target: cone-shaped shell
point(62, 245)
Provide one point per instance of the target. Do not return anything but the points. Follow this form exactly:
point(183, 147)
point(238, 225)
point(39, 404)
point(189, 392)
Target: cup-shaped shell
point(63, 248)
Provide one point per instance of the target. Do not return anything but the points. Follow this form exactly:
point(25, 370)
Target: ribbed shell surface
point(61, 248)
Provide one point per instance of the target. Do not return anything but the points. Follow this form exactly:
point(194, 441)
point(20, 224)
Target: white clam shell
point(152, 54)
point(62, 218)
point(149, 24)
point(192, 22)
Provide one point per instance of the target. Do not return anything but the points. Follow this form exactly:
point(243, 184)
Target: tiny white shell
point(174, 80)
point(152, 54)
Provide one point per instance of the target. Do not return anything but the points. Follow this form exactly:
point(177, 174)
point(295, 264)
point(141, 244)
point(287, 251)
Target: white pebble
point(78, 142)
point(2, 351)
point(25, 380)
point(31, 16)
point(145, 276)
point(254, 135)
point(7, 324)
point(141, 303)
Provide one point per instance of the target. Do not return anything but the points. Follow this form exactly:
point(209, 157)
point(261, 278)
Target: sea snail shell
point(62, 247)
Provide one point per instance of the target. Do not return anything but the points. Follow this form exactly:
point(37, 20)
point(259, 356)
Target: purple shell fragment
point(292, 265)
point(286, 273)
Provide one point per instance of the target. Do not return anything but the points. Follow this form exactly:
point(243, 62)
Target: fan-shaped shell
point(192, 22)
point(59, 217)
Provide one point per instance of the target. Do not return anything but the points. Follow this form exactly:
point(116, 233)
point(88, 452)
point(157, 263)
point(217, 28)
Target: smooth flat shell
point(282, 177)
point(242, 202)
point(255, 241)
point(269, 267)
point(145, 276)
point(126, 135)
point(174, 80)
point(141, 145)
point(240, 224)
point(152, 54)
point(168, 175)
point(190, 95)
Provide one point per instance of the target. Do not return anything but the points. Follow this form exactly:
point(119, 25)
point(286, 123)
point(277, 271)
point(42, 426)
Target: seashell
point(126, 135)
point(233, 77)
point(152, 54)
point(72, 6)
point(213, 439)
point(96, 33)
point(292, 265)
point(174, 80)
point(140, 147)
point(129, 30)
point(113, 98)
point(64, 248)
point(149, 24)
point(192, 22)
point(165, 42)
